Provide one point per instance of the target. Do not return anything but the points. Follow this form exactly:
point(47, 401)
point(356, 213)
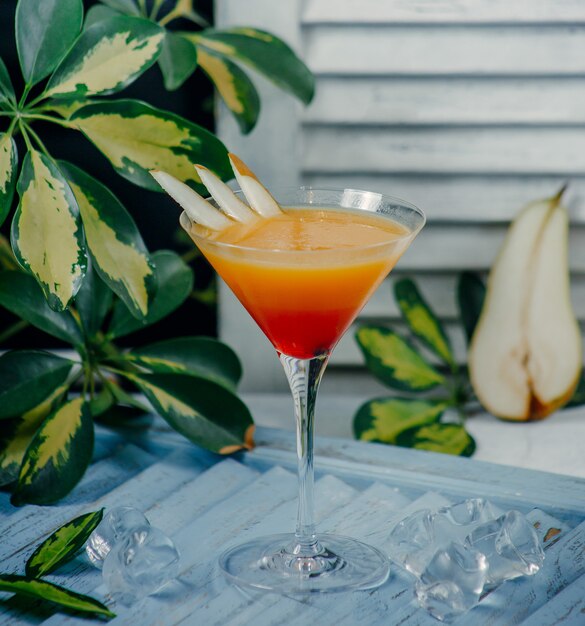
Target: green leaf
point(123, 6)
point(43, 590)
point(445, 438)
point(199, 356)
point(46, 235)
point(27, 377)
point(263, 52)
point(21, 295)
point(18, 432)
point(235, 88)
point(177, 61)
point(45, 30)
point(119, 416)
point(470, 297)
point(394, 361)
point(175, 282)
point(98, 13)
point(93, 302)
point(107, 57)
point(62, 545)
point(383, 419)
point(422, 321)
point(57, 457)
point(8, 169)
point(137, 138)
point(205, 412)
point(115, 244)
point(6, 88)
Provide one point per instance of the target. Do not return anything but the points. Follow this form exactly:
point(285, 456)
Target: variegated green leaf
point(177, 61)
point(93, 302)
point(62, 545)
point(57, 457)
point(107, 57)
point(6, 88)
point(66, 108)
point(46, 235)
point(394, 361)
point(137, 138)
point(444, 438)
point(43, 590)
point(199, 356)
point(18, 432)
point(98, 13)
point(263, 52)
point(8, 168)
point(126, 417)
point(470, 298)
point(27, 378)
point(21, 295)
point(422, 321)
point(45, 30)
point(117, 250)
point(175, 282)
point(203, 411)
point(383, 419)
point(234, 87)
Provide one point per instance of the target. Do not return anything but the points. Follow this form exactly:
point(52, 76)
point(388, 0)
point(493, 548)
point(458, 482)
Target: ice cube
point(510, 545)
point(455, 522)
point(115, 525)
point(452, 582)
point(140, 564)
point(411, 542)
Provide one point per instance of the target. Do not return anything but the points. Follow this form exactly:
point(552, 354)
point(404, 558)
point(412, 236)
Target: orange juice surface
point(304, 275)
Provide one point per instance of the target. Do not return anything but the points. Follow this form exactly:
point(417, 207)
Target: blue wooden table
point(207, 503)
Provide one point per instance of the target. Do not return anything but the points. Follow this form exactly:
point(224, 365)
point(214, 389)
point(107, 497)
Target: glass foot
point(335, 563)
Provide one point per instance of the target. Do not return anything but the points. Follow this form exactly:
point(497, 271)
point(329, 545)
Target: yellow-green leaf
point(107, 57)
point(383, 419)
point(62, 545)
point(44, 590)
point(117, 250)
point(47, 238)
point(202, 410)
point(58, 455)
point(234, 87)
point(8, 166)
point(422, 321)
point(444, 438)
point(18, 433)
point(137, 138)
point(394, 361)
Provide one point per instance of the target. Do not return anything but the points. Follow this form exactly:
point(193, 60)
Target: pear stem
point(557, 198)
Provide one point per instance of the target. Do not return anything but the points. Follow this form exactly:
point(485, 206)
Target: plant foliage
point(77, 267)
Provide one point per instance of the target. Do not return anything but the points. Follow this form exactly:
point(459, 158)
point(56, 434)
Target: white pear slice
point(525, 355)
point(198, 209)
point(225, 197)
point(259, 198)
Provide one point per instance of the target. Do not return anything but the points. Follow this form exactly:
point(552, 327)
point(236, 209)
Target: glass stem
point(304, 376)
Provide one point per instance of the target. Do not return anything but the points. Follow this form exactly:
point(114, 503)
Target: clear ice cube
point(116, 524)
point(510, 545)
point(411, 542)
point(452, 582)
point(140, 564)
point(455, 522)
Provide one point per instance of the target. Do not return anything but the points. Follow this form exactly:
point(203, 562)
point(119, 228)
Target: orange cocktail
point(304, 275)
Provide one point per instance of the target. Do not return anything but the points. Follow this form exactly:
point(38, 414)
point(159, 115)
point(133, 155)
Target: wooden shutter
point(468, 108)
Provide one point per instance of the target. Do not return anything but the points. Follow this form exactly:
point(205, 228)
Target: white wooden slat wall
point(468, 108)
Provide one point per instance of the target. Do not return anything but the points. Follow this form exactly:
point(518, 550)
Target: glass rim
point(279, 190)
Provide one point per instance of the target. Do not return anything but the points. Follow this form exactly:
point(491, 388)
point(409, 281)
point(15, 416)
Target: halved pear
point(198, 209)
point(259, 198)
point(525, 356)
point(225, 197)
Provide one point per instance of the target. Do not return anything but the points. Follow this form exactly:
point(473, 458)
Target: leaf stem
point(142, 7)
point(25, 93)
point(156, 6)
point(13, 330)
point(23, 129)
point(48, 118)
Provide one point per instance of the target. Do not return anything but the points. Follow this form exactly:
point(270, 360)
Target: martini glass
point(304, 300)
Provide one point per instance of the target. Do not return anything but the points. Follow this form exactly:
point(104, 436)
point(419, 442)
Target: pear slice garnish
point(198, 209)
point(259, 198)
point(225, 197)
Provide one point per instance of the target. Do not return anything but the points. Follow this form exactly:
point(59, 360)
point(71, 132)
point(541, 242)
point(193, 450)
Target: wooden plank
point(365, 150)
point(407, 50)
point(444, 12)
point(452, 197)
point(565, 609)
point(455, 101)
